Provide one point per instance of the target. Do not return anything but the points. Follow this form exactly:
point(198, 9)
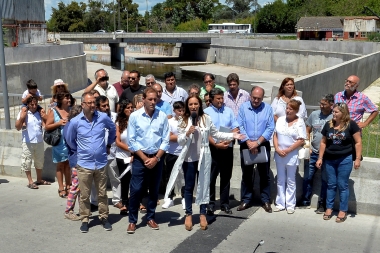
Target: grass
point(371, 139)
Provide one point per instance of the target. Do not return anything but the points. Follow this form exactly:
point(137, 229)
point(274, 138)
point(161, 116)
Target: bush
point(374, 36)
point(196, 25)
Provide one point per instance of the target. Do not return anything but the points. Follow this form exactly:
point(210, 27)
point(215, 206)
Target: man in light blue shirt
point(148, 137)
point(172, 92)
point(257, 124)
point(86, 134)
point(222, 152)
point(161, 104)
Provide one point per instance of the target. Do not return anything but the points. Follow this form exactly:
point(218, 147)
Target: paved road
point(32, 221)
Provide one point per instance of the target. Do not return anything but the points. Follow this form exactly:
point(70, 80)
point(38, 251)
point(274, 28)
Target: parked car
point(100, 31)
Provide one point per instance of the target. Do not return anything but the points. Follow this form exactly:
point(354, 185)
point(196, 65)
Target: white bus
point(229, 28)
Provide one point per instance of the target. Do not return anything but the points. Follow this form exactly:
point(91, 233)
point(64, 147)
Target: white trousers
point(113, 174)
point(286, 186)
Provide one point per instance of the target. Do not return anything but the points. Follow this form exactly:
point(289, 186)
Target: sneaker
point(290, 211)
point(71, 216)
point(183, 204)
point(321, 209)
point(277, 209)
point(168, 203)
point(84, 227)
point(106, 225)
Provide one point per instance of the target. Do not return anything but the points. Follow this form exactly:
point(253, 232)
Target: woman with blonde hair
point(286, 92)
point(138, 101)
point(341, 145)
point(289, 135)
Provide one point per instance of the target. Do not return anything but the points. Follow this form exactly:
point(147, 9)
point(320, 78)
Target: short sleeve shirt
point(129, 93)
point(339, 143)
point(317, 121)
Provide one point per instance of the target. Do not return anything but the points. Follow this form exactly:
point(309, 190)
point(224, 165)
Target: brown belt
point(150, 155)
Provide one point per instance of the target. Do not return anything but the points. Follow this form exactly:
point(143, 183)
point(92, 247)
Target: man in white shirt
point(32, 142)
point(104, 88)
point(171, 92)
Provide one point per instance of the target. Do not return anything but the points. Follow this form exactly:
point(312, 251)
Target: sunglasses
point(132, 78)
point(60, 86)
point(342, 105)
point(104, 78)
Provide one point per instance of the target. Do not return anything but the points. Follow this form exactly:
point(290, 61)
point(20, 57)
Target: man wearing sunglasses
point(357, 102)
point(104, 88)
point(134, 88)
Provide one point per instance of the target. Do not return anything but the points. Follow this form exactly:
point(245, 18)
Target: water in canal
point(157, 68)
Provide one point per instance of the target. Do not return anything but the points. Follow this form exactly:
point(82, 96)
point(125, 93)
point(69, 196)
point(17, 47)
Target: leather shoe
point(153, 225)
point(226, 209)
point(267, 207)
point(131, 228)
point(243, 206)
point(210, 209)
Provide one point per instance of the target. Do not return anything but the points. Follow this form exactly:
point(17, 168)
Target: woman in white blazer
point(194, 130)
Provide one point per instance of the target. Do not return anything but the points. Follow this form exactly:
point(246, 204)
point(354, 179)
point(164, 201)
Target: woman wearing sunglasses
point(341, 145)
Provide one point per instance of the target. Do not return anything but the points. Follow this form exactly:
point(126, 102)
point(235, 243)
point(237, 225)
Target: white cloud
point(142, 4)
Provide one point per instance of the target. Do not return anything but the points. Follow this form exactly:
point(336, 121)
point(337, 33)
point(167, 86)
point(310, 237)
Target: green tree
point(273, 17)
point(68, 18)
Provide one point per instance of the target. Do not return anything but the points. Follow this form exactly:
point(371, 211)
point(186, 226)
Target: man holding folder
point(221, 151)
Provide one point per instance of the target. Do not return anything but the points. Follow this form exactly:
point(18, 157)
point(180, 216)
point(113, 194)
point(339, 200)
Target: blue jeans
point(338, 172)
point(190, 171)
point(142, 176)
point(308, 180)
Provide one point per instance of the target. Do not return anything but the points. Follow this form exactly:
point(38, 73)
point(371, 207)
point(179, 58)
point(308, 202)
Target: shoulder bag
point(53, 137)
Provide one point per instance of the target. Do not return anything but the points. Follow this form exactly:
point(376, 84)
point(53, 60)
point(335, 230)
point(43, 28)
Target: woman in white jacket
point(194, 130)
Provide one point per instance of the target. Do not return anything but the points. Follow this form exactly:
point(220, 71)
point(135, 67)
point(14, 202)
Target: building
point(24, 21)
point(358, 28)
point(320, 28)
point(336, 28)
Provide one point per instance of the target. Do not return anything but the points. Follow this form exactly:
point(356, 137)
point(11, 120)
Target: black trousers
point(169, 163)
point(124, 181)
point(222, 164)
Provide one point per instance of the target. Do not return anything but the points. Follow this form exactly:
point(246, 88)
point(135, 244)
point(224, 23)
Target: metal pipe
point(4, 77)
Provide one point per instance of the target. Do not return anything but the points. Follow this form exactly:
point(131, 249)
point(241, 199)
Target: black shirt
point(339, 143)
point(129, 93)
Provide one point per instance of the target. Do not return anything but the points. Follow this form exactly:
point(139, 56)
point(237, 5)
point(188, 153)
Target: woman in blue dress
point(58, 118)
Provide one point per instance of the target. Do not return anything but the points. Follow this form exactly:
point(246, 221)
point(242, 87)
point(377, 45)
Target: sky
point(142, 4)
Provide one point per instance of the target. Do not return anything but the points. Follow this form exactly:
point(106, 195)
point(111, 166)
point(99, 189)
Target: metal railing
point(370, 134)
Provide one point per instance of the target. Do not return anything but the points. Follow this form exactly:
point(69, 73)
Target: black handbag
point(53, 137)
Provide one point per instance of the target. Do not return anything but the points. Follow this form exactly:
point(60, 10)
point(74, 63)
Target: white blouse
point(279, 107)
point(286, 136)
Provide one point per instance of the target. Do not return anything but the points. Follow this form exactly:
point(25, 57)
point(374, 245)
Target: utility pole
point(4, 76)
point(114, 20)
point(118, 25)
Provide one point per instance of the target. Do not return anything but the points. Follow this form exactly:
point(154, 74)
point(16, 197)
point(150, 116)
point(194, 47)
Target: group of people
point(143, 136)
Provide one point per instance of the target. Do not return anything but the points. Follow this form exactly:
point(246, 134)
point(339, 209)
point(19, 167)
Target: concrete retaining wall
point(364, 183)
point(167, 50)
point(44, 64)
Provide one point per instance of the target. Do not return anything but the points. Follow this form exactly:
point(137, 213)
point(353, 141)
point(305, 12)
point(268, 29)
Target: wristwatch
point(158, 158)
point(258, 142)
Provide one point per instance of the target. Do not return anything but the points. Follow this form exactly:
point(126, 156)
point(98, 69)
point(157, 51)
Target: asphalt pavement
point(33, 221)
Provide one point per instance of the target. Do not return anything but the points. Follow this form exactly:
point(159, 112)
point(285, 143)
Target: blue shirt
point(88, 139)
point(256, 122)
point(222, 117)
point(148, 134)
point(165, 107)
point(72, 152)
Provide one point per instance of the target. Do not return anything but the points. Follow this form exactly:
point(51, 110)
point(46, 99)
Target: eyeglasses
point(104, 78)
point(348, 81)
point(89, 103)
point(150, 83)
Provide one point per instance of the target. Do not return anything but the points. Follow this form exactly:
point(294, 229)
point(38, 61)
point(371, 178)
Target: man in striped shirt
point(357, 102)
point(235, 97)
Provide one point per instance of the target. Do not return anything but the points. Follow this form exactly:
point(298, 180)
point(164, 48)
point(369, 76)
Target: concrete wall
point(331, 80)
point(44, 64)
point(364, 183)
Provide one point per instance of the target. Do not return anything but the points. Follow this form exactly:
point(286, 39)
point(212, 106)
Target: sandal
point(142, 208)
point(340, 220)
point(62, 195)
point(327, 216)
point(42, 182)
point(124, 210)
point(32, 186)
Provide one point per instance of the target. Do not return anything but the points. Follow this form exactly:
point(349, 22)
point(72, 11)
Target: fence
point(370, 134)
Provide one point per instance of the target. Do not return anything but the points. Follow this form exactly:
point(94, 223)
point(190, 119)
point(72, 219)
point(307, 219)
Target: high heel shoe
point(188, 222)
point(203, 221)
